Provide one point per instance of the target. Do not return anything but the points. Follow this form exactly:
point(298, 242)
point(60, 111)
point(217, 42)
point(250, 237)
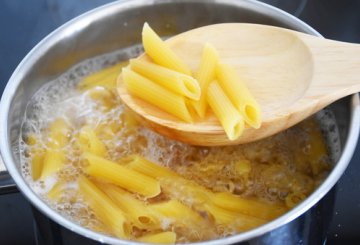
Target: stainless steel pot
point(117, 25)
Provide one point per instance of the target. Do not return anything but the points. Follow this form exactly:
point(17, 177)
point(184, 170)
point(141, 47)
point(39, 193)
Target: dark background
point(23, 23)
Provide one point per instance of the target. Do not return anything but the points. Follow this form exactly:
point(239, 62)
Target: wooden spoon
point(292, 75)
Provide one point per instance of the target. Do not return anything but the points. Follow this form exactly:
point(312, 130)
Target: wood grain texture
point(292, 75)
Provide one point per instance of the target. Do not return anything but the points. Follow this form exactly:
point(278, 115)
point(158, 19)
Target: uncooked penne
point(104, 208)
point(54, 160)
point(249, 207)
point(37, 156)
point(56, 191)
point(58, 136)
point(172, 80)
point(185, 190)
point(229, 117)
point(181, 215)
point(161, 53)
point(204, 76)
point(124, 177)
point(239, 94)
point(239, 222)
point(154, 94)
point(174, 209)
point(141, 214)
point(148, 168)
point(166, 237)
point(88, 141)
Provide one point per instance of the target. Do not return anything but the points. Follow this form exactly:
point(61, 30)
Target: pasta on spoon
point(288, 74)
point(163, 80)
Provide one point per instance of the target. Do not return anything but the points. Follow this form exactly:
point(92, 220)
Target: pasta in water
point(88, 158)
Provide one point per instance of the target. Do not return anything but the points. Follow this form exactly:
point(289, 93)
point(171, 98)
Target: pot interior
point(117, 26)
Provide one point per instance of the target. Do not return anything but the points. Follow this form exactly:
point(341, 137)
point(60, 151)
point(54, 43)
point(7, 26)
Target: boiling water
point(269, 170)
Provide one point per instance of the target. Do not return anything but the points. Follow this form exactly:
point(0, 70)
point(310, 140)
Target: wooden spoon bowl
point(292, 76)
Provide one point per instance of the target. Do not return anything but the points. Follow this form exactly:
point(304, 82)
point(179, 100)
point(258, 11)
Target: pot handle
point(7, 185)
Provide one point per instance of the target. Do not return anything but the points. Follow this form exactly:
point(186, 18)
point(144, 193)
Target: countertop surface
point(24, 23)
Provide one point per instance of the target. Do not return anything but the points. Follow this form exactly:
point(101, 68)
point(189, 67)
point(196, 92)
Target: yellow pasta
point(166, 237)
point(204, 76)
point(37, 156)
point(103, 207)
point(37, 163)
point(174, 209)
point(59, 132)
point(239, 94)
point(253, 208)
point(228, 116)
point(56, 191)
point(185, 190)
point(88, 141)
point(184, 217)
point(54, 157)
point(54, 160)
point(239, 222)
point(141, 214)
point(174, 81)
point(154, 94)
point(104, 78)
point(148, 168)
point(160, 52)
point(124, 177)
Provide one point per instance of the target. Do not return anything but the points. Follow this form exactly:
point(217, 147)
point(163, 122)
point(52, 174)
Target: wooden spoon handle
point(336, 68)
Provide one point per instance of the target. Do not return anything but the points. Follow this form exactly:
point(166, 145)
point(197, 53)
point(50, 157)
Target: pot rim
point(112, 8)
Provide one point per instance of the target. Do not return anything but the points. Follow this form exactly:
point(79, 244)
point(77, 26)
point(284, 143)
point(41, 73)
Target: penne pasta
point(166, 237)
point(185, 218)
point(104, 78)
point(56, 191)
point(141, 214)
point(177, 211)
point(185, 191)
point(204, 76)
point(59, 132)
point(54, 160)
point(160, 52)
point(154, 94)
point(239, 222)
point(239, 94)
point(172, 80)
point(54, 157)
point(37, 163)
point(148, 168)
point(88, 141)
point(103, 207)
point(249, 207)
point(37, 156)
point(124, 177)
point(229, 117)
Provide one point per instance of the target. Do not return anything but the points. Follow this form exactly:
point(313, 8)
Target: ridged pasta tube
point(239, 94)
point(103, 207)
point(172, 80)
point(156, 95)
point(121, 176)
point(229, 117)
point(160, 52)
point(204, 76)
